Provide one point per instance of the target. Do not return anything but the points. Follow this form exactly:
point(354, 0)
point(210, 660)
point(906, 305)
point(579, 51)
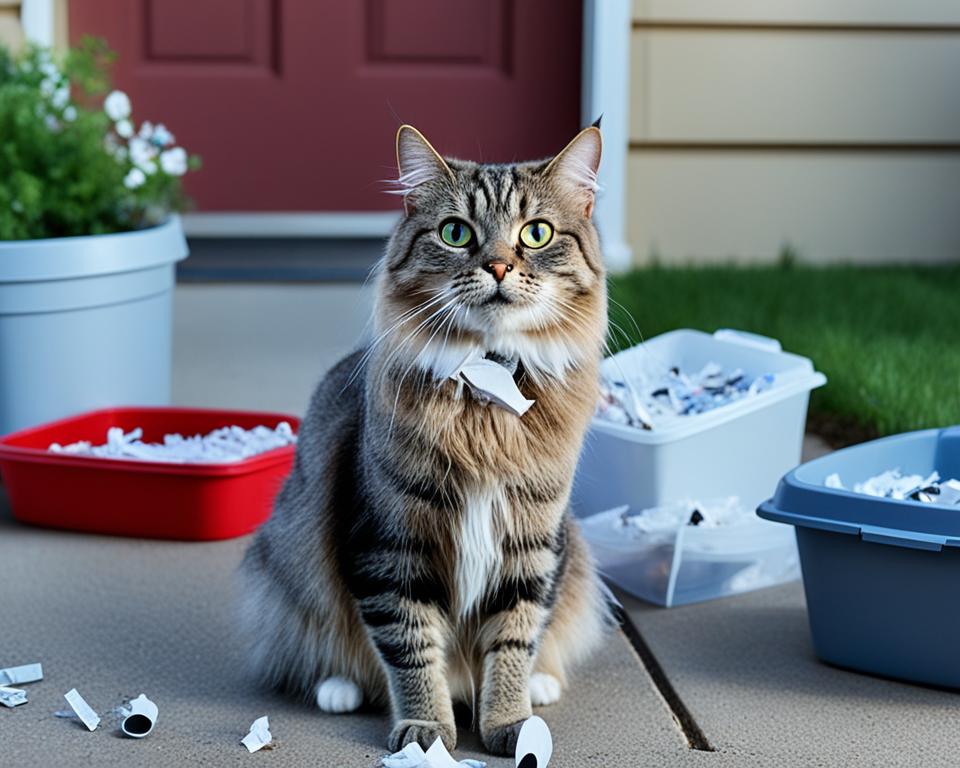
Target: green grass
point(888, 338)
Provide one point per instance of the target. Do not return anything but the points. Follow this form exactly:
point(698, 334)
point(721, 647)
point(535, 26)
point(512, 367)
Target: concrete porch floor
point(114, 617)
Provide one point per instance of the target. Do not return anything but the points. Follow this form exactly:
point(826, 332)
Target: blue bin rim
point(931, 526)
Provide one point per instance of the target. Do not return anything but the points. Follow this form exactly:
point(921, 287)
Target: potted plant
point(89, 239)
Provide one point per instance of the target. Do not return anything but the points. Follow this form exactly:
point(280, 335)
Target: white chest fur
point(479, 556)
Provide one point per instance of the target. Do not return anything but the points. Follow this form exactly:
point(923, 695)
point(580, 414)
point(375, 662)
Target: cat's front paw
point(424, 732)
point(502, 739)
point(544, 689)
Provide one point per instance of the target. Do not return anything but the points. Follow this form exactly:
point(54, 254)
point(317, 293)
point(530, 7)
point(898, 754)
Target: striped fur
point(421, 547)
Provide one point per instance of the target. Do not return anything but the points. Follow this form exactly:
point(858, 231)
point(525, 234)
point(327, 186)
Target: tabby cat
point(421, 551)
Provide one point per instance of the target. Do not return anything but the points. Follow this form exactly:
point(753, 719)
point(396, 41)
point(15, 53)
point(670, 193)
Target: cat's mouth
point(499, 298)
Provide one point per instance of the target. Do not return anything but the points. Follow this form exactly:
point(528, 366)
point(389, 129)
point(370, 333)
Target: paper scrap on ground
point(413, 756)
point(139, 717)
point(492, 381)
point(84, 711)
point(534, 744)
point(651, 396)
point(27, 673)
point(12, 697)
point(893, 484)
point(259, 735)
point(219, 446)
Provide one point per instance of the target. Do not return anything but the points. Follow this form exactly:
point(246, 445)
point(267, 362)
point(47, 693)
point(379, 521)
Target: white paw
point(544, 689)
point(338, 695)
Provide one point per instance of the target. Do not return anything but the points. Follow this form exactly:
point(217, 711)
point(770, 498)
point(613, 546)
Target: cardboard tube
point(141, 717)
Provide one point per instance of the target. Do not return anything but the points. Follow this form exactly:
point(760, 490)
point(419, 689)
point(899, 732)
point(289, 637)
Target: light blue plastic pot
point(86, 322)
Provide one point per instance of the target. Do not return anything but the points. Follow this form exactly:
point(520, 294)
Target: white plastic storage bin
point(689, 564)
point(741, 449)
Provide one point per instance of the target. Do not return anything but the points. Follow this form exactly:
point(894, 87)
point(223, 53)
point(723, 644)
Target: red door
point(293, 104)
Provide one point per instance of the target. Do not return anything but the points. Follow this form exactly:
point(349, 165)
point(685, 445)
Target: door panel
point(293, 104)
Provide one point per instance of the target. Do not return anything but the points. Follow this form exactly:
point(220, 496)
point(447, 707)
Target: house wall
point(11, 33)
point(831, 126)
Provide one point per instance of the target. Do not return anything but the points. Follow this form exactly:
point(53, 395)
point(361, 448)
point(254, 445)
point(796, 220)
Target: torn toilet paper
point(139, 717)
point(652, 396)
point(27, 673)
point(713, 513)
point(219, 446)
point(490, 379)
point(534, 749)
point(413, 756)
point(893, 484)
point(259, 735)
point(84, 711)
point(12, 697)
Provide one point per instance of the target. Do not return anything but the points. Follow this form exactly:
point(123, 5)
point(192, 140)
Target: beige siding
point(795, 86)
point(689, 206)
point(832, 125)
point(11, 34)
point(897, 12)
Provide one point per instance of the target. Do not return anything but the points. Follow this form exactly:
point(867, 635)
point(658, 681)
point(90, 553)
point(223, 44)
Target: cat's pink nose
point(498, 269)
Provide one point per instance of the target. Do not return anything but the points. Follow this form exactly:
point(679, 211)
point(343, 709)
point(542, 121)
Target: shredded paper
point(220, 446)
point(893, 484)
point(651, 397)
point(259, 735)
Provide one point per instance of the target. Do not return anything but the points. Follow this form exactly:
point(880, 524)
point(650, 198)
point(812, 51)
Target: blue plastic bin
point(882, 577)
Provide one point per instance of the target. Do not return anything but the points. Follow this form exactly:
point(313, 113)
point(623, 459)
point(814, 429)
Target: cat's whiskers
point(403, 318)
point(445, 309)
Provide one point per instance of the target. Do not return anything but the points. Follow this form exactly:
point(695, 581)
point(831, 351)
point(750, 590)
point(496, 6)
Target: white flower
point(125, 128)
point(61, 97)
point(146, 130)
point(148, 167)
point(161, 136)
point(117, 105)
point(49, 69)
point(70, 114)
point(134, 179)
point(48, 86)
point(141, 151)
point(174, 161)
point(51, 122)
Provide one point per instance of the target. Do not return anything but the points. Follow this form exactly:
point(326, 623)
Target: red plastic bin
point(128, 497)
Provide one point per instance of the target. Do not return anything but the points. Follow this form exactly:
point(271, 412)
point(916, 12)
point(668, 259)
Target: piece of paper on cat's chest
point(492, 381)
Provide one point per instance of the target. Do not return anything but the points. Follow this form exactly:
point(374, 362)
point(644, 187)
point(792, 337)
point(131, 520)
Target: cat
point(421, 551)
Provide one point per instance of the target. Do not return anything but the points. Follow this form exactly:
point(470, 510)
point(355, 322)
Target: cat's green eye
point(536, 234)
point(456, 233)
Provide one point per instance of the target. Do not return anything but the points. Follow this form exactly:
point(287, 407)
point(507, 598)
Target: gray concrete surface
point(745, 668)
point(261, 346)
point(115, 617)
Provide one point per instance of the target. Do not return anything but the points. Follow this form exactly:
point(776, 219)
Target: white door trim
point(36, 18)
point(606, 91)
point(348, 224)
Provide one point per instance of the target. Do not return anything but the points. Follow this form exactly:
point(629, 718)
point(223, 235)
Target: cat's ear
point(417, 163)
point(576, 166)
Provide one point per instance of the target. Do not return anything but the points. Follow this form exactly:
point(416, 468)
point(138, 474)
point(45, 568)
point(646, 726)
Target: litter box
point(127, 497)
point(690, 564)
point(881, 576)
point(741, 449)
